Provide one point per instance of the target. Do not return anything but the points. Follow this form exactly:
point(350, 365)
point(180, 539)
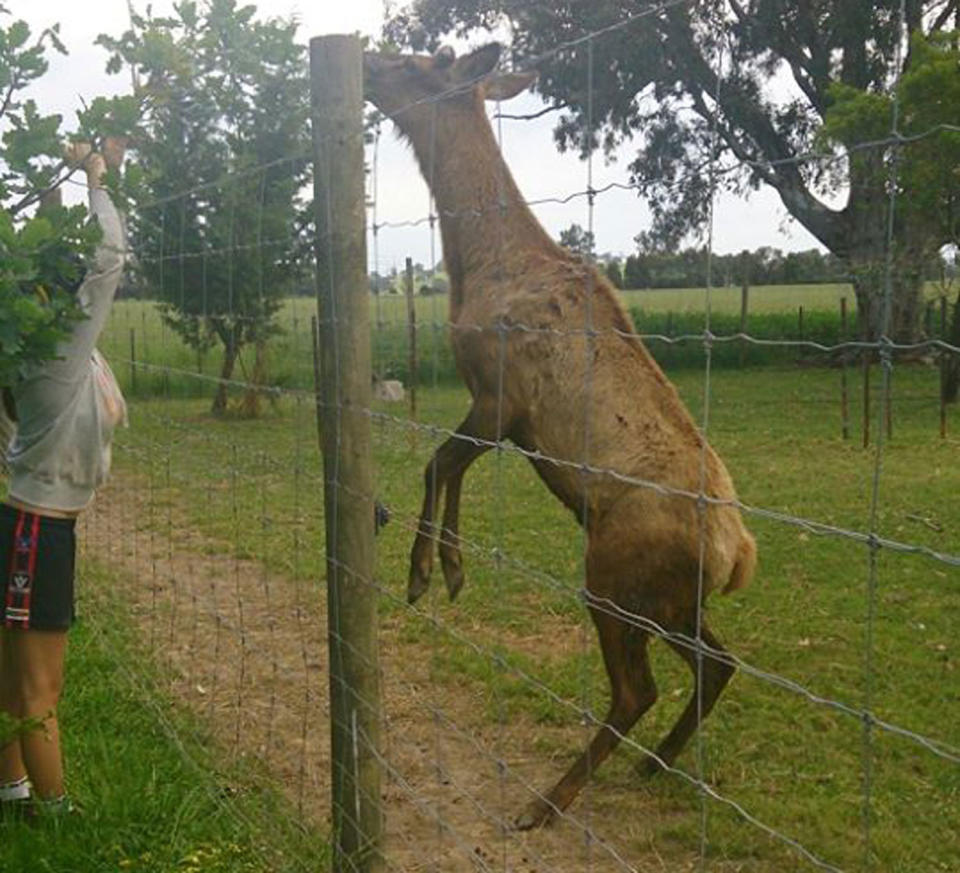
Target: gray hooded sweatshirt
point(68, 407)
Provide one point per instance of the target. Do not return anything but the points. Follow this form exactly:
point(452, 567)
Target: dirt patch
point(247, 651)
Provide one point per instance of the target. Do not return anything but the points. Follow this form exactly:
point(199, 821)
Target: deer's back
point(581, 386)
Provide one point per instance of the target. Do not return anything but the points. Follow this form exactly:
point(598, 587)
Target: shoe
point(58, 809)
point(17, 810)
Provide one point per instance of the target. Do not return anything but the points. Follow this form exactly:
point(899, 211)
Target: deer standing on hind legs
point(547, 353)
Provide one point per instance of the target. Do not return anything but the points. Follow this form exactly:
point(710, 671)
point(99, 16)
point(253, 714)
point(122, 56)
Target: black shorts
point(37, 558)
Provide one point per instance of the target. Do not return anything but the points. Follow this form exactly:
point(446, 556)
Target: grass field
point(517, 644)
point(136, 327)
point(795, 765)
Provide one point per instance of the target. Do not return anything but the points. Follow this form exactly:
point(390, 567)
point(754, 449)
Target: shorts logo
point(23, 566)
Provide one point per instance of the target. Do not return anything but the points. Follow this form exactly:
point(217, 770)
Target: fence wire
point(213, 528)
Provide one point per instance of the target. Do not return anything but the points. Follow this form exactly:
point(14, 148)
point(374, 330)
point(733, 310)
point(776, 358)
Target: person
point(65, 412)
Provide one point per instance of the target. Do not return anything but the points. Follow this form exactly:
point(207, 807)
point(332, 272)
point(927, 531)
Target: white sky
point(540, 170)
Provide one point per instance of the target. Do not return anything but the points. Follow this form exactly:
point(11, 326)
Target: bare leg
point(12, 768)
point(35, 659)
point(633, 692)
point(472, 439)
point(716, 675)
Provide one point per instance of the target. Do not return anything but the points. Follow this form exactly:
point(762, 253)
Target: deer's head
point(400, 84)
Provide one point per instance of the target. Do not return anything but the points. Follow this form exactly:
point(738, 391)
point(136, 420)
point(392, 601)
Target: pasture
point(486, 696)
point(167, 366)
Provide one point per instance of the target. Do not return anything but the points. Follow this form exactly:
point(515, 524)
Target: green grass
point(156, 795)
point(763, 299)
point(255, 487)
point(167, 368)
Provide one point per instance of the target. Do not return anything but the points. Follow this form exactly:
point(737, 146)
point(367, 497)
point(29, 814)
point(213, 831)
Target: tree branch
point(951, 8)
point(545, 111)
point(36, 196)
point(804, 77)
point(742, 113)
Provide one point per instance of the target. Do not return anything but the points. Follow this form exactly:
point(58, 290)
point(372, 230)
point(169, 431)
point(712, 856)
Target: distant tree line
point(688, 267)
point(764, 266)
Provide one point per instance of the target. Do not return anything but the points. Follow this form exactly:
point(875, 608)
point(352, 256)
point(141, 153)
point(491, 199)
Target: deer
point(553, 365)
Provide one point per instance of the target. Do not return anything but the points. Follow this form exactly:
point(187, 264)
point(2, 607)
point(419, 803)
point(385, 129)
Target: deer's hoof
point(453, 576)
point(418, 584)
point(649, 767)
point(538, 814)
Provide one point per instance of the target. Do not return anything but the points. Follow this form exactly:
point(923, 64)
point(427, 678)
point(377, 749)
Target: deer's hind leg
point(632, 693)
point(475, 436)
point(716, 673)
point(451, 560)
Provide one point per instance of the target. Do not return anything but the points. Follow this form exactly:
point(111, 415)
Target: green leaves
point(41, 249)
point(215, 199)
point(39, 254)
point(39, 258)
point(928, 162)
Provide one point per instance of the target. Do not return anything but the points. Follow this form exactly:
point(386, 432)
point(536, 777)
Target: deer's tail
point(745, 564)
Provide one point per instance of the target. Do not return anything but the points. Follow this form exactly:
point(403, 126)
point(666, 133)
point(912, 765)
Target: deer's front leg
point(476, 435)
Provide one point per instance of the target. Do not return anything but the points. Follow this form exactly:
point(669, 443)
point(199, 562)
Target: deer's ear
point(508, 85)
point(444, 57)
point(476, 65)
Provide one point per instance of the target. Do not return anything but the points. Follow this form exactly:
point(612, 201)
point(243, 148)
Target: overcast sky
point(540, 170)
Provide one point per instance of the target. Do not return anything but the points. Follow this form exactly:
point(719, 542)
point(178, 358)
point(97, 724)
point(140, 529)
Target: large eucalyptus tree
point(762, 78)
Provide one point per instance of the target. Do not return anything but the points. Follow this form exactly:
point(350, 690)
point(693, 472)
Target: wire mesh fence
point(832, 749)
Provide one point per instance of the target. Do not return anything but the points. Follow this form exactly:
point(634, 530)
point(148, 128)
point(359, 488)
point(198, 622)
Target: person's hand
point(81, 154)
point(114, 148)
point(76, 153)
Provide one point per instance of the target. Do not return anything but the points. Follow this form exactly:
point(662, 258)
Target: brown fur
point(520, 310)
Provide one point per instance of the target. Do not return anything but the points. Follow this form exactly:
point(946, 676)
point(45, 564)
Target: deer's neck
point(481, 210)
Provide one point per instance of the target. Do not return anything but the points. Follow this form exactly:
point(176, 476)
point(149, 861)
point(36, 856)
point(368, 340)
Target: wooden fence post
point(844, 401)
point(133, 361)
point(744, 302)
point(866, 397)
point(343, 301)
point(317, 377)
point(944, 364)
point(412, 362)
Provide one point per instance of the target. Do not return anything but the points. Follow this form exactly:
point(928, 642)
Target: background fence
point(833, 749)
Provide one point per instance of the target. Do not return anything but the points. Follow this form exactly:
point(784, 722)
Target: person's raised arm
point(96, 293)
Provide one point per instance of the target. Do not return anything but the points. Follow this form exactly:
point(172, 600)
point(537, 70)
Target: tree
point(223, 156)
point(614, 272)
point(578, 240)
point(658, 77)
point(636, 272)
point(41, 249)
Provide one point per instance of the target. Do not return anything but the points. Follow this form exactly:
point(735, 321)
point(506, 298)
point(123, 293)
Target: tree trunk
point(230, 352)
point(865, 243)
point(258, 378)
point(906, 311)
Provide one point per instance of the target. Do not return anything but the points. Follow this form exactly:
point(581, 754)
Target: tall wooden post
point(412, 362)
point(133, 361)
point(944, 364)
point(744, 303)
point(336, 83)
point(317, 377)
point(866, 397)
point(844, 402)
